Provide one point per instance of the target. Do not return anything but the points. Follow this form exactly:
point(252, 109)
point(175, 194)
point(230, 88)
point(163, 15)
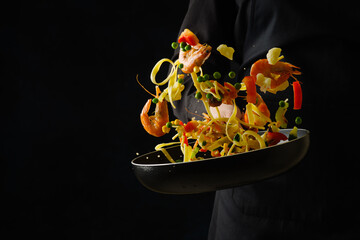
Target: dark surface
point(156, 173)
point(70, 124)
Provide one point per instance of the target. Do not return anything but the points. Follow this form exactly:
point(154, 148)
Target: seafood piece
point(196, 55)
point(153, 124)
point(271, 74)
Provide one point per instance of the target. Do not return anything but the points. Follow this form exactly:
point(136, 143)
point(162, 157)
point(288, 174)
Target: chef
point(319, 198)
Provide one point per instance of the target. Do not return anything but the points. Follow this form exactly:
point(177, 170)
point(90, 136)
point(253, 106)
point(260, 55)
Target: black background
point(70, 123)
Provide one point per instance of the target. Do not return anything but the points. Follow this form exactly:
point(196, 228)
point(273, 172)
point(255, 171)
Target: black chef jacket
point(319, 198)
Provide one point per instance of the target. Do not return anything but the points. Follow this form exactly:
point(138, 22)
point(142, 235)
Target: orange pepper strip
point(249, 82)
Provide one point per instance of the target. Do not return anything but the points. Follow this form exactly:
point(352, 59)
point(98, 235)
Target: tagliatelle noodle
point(172, 81)
point(164, 151)
point(156, 69)
point(174, 89)
point(250, 113)
point(257, 137)
point(259, 113)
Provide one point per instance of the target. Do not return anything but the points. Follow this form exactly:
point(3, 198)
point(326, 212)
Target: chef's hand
point(225, 111)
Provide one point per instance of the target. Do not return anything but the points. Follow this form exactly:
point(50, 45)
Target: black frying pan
point(156, 173)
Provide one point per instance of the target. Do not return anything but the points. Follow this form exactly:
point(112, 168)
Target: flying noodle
point(173, 91)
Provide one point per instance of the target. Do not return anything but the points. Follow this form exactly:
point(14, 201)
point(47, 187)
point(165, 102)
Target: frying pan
point(156, 173)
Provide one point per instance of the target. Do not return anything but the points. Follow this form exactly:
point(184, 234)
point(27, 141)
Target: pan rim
point(133, 162)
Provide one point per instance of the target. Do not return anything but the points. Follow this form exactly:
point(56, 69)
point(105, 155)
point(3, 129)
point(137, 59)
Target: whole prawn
point(196, 56)
point(278, 73)
point(153, 124)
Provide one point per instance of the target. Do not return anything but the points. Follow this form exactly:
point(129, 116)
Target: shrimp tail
point(144, 117)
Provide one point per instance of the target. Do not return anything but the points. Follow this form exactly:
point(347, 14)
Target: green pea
point(232, 74)
point(217, 75)
point(200, 79)
point(209, 96)
point(181, 65)
point(180, 80)
point(206, 77)
point(237, 86)
point(198, 95)
point(183, 44)
point(155, 100)
point(168, 124)
point(298, 120)
point(282, 104)
point(187, 48)
point(174, 45)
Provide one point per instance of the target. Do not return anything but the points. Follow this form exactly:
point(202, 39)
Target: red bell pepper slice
point(249, 82)
point(186, 142)
point(190, 126)
point(273, 138)
point(189, 37)
point(297, 95)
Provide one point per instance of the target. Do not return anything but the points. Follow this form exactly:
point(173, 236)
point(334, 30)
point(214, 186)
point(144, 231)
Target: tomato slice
point(273, 138)
point(190, 126)
point(189, 37)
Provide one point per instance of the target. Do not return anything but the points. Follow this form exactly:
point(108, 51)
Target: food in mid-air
point(221, 136)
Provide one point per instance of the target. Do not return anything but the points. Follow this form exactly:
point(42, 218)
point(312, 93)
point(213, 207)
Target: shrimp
point(154, 124)
point(277, 73)
point(196, 56)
